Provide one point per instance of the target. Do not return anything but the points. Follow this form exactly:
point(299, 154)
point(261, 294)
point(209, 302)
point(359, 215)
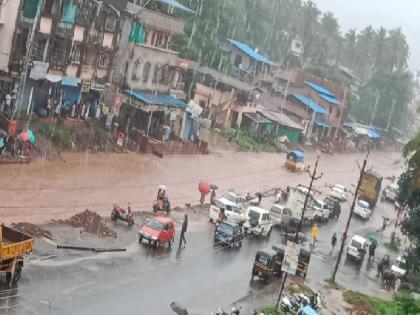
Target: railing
point(25, 19)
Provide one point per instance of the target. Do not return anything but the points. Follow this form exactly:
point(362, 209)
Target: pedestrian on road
point(314, 234)
point(372, 248)
point(212, 196)
point(333, 241)
point(183, 231)
point(259, 195)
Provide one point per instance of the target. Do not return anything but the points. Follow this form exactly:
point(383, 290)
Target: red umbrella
point(24, 136)
point(204, 187)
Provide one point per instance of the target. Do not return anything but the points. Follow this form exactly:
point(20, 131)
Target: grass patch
point(394, 244)
point(245, 142)
point(270, 310)
point(59, 135)
point(362, 304)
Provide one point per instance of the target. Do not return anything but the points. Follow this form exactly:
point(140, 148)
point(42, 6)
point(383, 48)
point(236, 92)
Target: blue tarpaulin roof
point(156, 98)
point(298, 155)
point(321, 123)
point(69, 81)
point(176, 5)
point(373, 133)
point(324, 93)
point(311, 104)
point(249, 51)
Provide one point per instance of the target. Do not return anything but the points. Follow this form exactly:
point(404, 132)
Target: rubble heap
point(32, 229)
point(91, 222)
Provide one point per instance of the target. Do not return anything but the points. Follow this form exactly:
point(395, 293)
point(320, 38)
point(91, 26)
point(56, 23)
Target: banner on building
point(291, 258)
point(39, 70)
point(118, 100)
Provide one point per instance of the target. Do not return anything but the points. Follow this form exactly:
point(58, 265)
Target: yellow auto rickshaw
point(295, 162)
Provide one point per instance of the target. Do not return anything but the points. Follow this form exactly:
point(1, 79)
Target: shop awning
point(373, 133)
point(54, 78)
point(176, 5)
point(311, 104)
point(70, 82)
point(281, 118)
point(321, 123)
point(258, 118)
point(156, 98)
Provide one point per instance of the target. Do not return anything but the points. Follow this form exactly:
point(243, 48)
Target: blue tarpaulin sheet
point(249, 51)
point(311, 104)
point(373, 133)
point(298, 155)
point(307, 310)
point(323, 93)
point(176, 5)
point(321, 123)
point(71, 82)
point(156, 98)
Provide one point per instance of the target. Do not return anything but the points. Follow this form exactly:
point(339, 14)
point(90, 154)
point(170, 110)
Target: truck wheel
point(8, 276)
point(17, 274)
point(269, 233)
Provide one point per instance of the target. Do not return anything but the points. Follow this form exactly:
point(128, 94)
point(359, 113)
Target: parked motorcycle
point(289, 304)
point(119, 213)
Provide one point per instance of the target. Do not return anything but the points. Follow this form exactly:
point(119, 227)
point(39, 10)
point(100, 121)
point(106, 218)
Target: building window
point(104, 60)
point(166, 74)
point(135, 76)
point(69, 12)
point(146, 71)
point(337, 113)
point(49, 7)
point(110, 23)
point(238, 60)
point(75, 53)
point(160, 39)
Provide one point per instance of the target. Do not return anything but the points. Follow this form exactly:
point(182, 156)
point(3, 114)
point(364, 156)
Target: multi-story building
point(76, 41)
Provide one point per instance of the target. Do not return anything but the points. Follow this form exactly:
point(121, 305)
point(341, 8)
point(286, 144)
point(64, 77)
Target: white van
point(258, 221)
point(280, 215)
point(232, 211)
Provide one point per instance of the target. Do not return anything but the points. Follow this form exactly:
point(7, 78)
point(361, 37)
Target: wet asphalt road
point(145, 281)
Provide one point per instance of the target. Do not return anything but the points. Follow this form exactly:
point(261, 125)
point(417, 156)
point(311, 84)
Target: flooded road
point(146, 281)
point(57, 189)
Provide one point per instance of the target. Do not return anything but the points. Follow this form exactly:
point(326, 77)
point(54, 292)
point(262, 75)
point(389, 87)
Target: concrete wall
point(8, 17)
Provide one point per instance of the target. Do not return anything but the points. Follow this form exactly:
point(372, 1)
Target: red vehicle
point(158, 230)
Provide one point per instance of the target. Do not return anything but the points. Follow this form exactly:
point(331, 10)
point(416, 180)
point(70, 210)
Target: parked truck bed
point(14, 244)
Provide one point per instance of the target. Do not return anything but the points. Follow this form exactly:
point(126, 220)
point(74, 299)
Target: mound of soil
point(91, 222)
point(32, 229)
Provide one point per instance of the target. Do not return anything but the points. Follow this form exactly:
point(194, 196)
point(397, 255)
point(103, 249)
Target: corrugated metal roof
point(223, 78)
point(281, 118)
point(373, 133)
point(156, 98)
point(176, 5)
point(258, 118)
point(311, 104)
point(321, 123)
point(249, 51)
point(323, 93)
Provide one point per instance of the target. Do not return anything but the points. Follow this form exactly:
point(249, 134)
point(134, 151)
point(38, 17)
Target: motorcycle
point(166, 206)
point(119, 213)
point(290, 304)
point(313, 301)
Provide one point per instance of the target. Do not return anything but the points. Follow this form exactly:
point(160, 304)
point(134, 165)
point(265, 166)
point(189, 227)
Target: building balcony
point(65, 29)
point(24, 20)
point(157, 20)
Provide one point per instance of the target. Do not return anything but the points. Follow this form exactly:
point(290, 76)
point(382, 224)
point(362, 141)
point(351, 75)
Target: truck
point(14, 245)
point(370, 187)
point(296, 200)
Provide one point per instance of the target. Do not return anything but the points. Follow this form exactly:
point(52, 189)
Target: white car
point(322, 211)
point(280, 214)
point(400, 267)
point(338, 192)
point(258, 221)
point(235, 198)
point(390, 192)
point(232, 211)
point(362, 210)
point(357, 248)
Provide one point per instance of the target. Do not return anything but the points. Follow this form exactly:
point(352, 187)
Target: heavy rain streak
point(209, 157)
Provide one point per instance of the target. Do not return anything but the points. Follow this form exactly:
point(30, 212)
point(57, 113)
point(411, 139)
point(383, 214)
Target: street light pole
point(374, 108)
point(344, 237)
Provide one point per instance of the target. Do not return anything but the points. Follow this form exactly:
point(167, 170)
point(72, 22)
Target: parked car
point(280, 215)
point(157, 231)
point(357, 248)
point(232, 211)
point(228, 234)
point(235, 198)
point(258, 221)
point(390, 192)
point(362, 210)
point(334, 205)
point(399, 268)
point(338, 192)
point(322, 211)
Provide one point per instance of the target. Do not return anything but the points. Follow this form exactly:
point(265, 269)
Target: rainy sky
point(388, 13)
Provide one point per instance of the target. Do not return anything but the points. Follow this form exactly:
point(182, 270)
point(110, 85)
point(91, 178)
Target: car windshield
point(276, 209)
point(155, 225)
point(231, 198)
point(219, 204)
point(356, 244)
point(253, 215)
point(362, 204)
point(226, 228)
point(263, 260)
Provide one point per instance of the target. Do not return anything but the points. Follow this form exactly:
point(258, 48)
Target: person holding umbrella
point(204, 189)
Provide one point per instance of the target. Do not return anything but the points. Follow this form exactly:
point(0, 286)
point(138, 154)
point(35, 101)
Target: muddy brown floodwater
point(45, 190)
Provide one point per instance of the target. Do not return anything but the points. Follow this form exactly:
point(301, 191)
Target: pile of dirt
point(91, 222)
point(32, 229)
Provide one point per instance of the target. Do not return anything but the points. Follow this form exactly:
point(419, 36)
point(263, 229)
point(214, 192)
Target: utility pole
point(374, 108)
point(313, 178)
point(344, 237)
point(390, 115)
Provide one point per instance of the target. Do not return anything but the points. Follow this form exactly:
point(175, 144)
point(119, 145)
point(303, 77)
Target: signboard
point(291, 258)
point(85, 86)
point(39, 70)
point(118, 100)
point(98, 86)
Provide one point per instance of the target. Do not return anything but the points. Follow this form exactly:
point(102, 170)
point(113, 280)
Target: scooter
point(119, 213)
point(166, 206)
point(290, 304)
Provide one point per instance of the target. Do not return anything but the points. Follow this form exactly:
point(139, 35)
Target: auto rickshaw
point(267, 264)
point(295, 161)
point(303, 260)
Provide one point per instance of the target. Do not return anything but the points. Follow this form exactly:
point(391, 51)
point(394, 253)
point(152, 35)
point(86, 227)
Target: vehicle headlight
point(153, 237)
